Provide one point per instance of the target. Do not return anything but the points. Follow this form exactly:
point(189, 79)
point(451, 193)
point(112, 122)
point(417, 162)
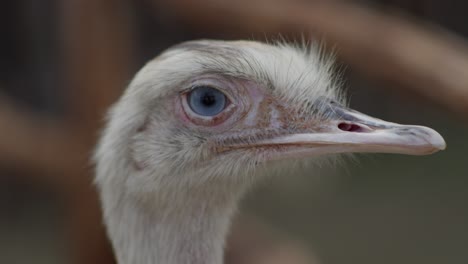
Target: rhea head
point(206, 119)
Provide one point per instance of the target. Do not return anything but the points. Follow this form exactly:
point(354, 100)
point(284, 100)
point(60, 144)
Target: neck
point(181, 231)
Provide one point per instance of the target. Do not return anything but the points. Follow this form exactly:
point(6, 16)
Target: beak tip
point(437, 141)
point(441, 145)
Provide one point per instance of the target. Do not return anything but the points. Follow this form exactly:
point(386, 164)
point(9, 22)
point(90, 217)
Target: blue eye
point(206, 101)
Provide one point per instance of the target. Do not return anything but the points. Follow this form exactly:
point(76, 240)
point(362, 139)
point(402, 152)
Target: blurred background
point(62, 63)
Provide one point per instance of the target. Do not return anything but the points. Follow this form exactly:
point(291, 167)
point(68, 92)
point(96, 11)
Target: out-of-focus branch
point(429, 61)
point(36, 143)
point(97, 46)
point(98, 55)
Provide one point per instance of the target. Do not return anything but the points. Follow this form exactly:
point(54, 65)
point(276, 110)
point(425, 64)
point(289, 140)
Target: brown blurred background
point(62, 63)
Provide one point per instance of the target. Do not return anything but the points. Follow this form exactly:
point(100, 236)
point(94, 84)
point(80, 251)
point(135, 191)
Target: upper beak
point(350, 131)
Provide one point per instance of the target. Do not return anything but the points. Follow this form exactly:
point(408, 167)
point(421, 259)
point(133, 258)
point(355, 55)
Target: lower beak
point(350, 131)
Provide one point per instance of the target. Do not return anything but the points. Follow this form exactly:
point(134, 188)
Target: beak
point(350, 131)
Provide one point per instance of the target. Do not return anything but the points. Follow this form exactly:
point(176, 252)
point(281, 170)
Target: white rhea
point(204, 121)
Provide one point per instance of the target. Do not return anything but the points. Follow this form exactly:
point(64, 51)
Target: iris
point(206, 101)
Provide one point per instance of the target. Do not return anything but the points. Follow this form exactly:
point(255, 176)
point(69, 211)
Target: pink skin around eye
point(249, 106)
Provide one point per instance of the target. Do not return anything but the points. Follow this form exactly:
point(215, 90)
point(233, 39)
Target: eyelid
point(186, 90)
point(209, 80)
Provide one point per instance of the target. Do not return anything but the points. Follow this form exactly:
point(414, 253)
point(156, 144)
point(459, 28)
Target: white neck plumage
point(180, 231)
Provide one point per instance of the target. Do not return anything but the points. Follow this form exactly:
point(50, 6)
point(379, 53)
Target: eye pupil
point(209, 99)
point(206, 101)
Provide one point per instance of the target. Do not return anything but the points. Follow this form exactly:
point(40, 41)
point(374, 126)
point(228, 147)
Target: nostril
point(350, 127)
